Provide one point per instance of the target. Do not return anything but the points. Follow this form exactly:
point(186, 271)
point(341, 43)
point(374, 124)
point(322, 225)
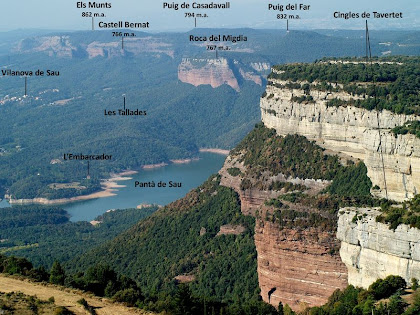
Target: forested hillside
point(45, 234)
point(206, 240)
point(384, 83)
point(66, 113)
point(186, 239)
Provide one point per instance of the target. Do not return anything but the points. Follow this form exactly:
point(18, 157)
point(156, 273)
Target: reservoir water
point(190, 175)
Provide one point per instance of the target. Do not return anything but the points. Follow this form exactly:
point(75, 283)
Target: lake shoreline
point(184, 161)
point(191, 175)
point(153, 166)
point(215, 150)
point(110, 186)
point(163, 164)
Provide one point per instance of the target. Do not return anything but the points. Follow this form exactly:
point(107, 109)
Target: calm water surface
point(190, 175)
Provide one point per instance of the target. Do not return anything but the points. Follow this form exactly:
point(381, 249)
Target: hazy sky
point(64, 15)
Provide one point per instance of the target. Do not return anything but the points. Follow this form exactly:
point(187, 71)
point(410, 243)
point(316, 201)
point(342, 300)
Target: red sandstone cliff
point(299, 270)
point(298, 266)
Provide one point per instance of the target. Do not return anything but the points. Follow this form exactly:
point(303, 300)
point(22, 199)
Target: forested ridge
point(44, 234)
point(36, 133)
point(390, 83)
point(149, 253)
point(182, 239)
point(391, 295)
point(65, 114)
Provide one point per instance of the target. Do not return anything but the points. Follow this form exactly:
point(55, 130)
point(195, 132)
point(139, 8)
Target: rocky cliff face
point(300, 267)
point(59, 46)
point(133, 46)
point(297, 266)
point(216, 72)
point(371, 250)
point(62, 46)
point(357, 132)
point(251, 199)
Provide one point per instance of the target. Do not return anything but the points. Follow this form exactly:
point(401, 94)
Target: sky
point(64, 14)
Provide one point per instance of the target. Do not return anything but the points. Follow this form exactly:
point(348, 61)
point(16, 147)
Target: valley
point(124, 190)
point(225, 89)
point(226, 170)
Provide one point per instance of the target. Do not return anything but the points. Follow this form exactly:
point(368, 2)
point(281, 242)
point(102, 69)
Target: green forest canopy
point(397, 81)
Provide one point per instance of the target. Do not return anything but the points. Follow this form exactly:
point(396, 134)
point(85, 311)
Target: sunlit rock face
point(353, 131)
point(372, 251)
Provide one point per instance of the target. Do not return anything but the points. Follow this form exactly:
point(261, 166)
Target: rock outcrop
point(371, 250)
point(261, 66)
point(230, 229)
point(59, 46)
point(62, 46)
point(251, 199)
point(297, 267)
point(216, 72)
point(392, 161)
point(300, 267)
point(134, 46)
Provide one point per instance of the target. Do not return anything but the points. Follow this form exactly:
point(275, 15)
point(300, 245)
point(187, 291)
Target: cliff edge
point(372, 251)
point(305, 108)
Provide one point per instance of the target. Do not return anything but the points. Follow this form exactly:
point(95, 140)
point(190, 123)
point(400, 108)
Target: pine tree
point(57, 274)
